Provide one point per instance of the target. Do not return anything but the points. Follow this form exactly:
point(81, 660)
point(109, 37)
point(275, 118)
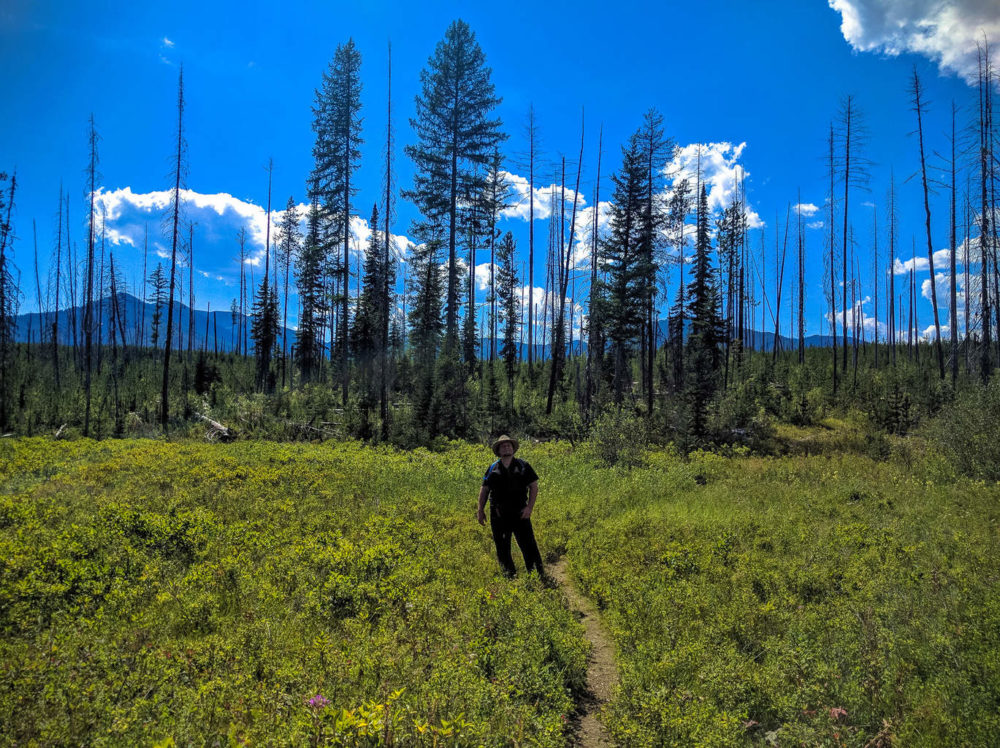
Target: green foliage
point(740, 417)
point(265, 334)
point(343, 595)
point(619, 437)
point(622, 262)
point(817, 601)
point(184, 593)
point(456, 140)
point(969, 432)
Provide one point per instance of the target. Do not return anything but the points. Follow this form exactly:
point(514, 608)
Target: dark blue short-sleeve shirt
point(509, 486)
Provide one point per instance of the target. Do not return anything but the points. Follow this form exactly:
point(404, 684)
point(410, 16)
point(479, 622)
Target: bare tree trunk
point(780, 278)
point(240, 323)
point(175, 236)
point(55, 319)
point(531, 238)
point(73, 288)
point(953, 295)
point(145, 256)
point(190, 347)
point(854, 314)
point(848, 122)
point(558, 341)
point(918, 106)
point(284, 319)
point(100, 296)
point(985, 81)
point(386, 260)
point(965, 269)
point(802, 292)
point(894, 332)
point(594, 355)
point(875, 277)
point(993, 238)
point(833, 271)
point(42, 313)
point(88, 317)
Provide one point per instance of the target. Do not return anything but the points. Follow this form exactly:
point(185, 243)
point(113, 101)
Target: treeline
point(408, 367)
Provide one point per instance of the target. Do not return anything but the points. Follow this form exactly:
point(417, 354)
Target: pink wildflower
point(318, 701)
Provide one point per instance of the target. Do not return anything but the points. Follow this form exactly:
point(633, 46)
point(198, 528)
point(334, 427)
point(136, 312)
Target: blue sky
point(756, 84)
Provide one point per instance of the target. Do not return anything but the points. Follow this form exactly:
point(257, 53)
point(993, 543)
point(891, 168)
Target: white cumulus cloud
point(942, 258)
point(868, 323)
point(721, 172)
point(545, 197)
point(944, 32)
point(218, 217)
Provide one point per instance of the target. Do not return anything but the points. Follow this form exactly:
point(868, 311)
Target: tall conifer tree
point(337, 124)
point(703, 357)
point(455, 134)
point(309, 282)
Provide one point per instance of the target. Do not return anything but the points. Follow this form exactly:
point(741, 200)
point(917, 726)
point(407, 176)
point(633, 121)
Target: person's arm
point(532, 495)
point(484, 492)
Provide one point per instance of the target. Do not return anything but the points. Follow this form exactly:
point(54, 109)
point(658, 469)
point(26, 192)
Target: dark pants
point(505, 526)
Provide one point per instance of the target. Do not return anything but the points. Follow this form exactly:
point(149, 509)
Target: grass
point(341, 594)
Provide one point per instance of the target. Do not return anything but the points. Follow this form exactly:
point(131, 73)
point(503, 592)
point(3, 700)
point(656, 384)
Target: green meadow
point(159, 592)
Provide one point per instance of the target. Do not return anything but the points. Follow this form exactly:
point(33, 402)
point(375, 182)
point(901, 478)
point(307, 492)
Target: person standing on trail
point(511, 485)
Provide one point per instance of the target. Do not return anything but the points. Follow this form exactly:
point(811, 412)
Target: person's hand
point(526, 513)
point(481, 516)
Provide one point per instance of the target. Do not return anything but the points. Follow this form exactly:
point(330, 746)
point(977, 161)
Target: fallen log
point(218, 431)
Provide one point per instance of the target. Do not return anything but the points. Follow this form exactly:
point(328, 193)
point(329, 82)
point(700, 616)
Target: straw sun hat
point(504, 438)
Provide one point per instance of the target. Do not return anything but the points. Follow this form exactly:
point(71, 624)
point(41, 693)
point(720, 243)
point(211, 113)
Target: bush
point(739, 417)
point(619, 437)
point(969, 432)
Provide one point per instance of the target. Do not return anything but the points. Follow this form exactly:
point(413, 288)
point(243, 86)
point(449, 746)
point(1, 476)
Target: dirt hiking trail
point(602, 672)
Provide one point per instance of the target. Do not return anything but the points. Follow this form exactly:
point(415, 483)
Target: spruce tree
point(496, 197)
point(426, 324)
point(656, 148)
point(366, 337)
point(729, 230)
point(289, 242)
point(455, 135)
point(621, 260)
point(677, 211)
point(158, 281)
point(509, 303)
point(309, 282)
point(702, 354)
point(337, 124)
point(264, 331)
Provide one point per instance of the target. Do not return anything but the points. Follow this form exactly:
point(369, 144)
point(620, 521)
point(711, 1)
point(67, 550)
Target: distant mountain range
point(220, 329)
point(760, 341)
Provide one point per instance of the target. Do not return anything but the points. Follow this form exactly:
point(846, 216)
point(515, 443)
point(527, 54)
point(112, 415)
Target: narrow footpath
point(602, 672)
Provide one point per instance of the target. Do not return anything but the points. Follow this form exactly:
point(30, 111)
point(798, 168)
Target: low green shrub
point(619, 437)
point(969, 431)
